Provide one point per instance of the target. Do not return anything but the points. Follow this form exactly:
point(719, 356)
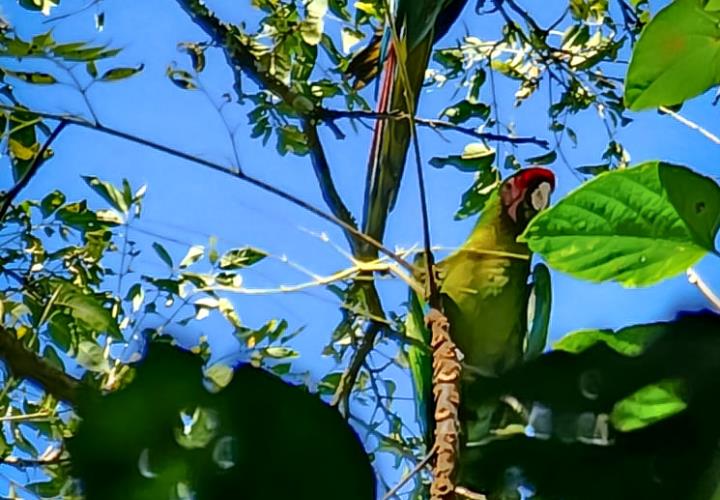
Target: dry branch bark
point(446, 392)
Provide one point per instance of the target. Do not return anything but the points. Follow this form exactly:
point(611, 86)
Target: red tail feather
point(383, 105)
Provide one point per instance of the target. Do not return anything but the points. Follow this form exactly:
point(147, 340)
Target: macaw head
point(525, 193)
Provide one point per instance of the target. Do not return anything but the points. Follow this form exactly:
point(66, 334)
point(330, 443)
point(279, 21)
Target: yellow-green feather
point(485, 293)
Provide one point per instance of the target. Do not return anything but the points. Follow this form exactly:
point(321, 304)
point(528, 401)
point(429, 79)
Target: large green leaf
point(636, 226)
point(648, 405)
point(85, 308)
point(630, 341)
point(676, 58)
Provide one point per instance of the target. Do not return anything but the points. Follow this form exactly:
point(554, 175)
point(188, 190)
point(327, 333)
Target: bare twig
point(71, 120)
point(466, 493)
point(31, 171)
point(341, 398)
point(334, 114)
point(695, 279)
point(360, 267)
point(688, 123)
point(418, 467)
point(327, 186)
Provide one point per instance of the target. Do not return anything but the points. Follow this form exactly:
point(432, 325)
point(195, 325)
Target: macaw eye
point(540, 197)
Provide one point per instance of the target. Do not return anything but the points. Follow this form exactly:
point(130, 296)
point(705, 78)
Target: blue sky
point(187, 203)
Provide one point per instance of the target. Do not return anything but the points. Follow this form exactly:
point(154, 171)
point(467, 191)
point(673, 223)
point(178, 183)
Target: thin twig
point(333, 114)
point(690, 124)
point(341, 398)
point(324, 178)
point(31, 171)
point(418, 467)
point(72, 120)
point(358, 268)
point(40, 415)
point(695, 279)
point(466, 493)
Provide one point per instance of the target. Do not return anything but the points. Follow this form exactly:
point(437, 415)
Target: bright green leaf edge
point(635, 226)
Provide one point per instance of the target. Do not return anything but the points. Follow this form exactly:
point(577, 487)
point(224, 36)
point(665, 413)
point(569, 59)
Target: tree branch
point(31, 171)
point(238, 51)
point(330, 115)
point(26, 364)
point(239, 54)
point(269, 188)
point(446, 391)
point(418, 467)
point(327, 186)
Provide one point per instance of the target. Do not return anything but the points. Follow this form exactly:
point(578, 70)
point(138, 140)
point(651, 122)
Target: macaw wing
point(420, 361)
point(539, 305)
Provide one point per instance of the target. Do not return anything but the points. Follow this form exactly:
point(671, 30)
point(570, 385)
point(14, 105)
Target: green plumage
point(485, 293)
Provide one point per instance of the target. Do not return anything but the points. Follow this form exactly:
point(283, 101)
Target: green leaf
point(238, 258)
point(79, 52)
point(194, 254)
point(544, 159)
point(636, 226)
point(135, 296)
point(474, 199)
point(196, 53)
point(115, 74)
point(201, 430)
point(464, 110)
point(181, 78)
point(86, 309)
point(44, 6)
point(350, 37)
point(37, 78)
point(630, 341)
point(108, 192)
point(648, 405)
point(291, 140)
point(63, 331)
point(676, 58)
point(91, 69)
point(280, 352)
point(712, 5)
point(90, 356)
point(219, 374)
point(475, 158)
point(163, 254)
point(51, 356)
point(235, 440)
point(311, 28)
point(51, 202)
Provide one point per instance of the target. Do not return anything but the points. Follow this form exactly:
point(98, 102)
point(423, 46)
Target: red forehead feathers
point(533, 175)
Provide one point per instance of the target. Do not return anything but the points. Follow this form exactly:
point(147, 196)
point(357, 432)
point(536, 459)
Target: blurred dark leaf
point(616, 426)
point(258, 438)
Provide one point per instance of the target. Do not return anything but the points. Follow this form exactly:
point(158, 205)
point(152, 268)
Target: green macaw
point(485, 295)
point(417, 24)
